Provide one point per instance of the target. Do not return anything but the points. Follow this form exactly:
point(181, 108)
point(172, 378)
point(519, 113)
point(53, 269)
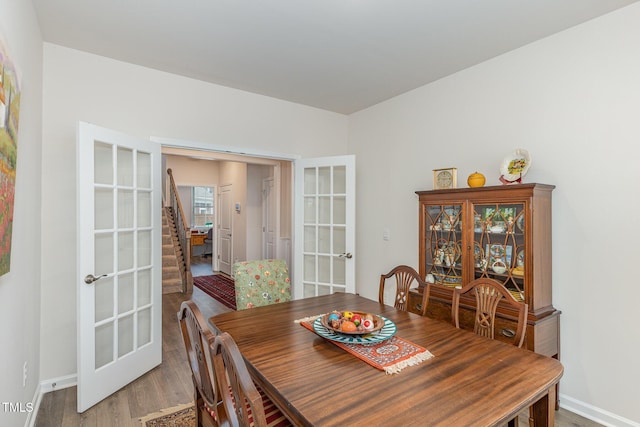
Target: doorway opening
point(198, 203)
point(252, 204)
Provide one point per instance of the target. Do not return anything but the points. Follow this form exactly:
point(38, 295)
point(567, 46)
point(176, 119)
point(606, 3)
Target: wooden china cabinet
point(502, 232)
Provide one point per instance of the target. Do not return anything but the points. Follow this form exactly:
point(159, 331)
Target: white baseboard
point(59, 383)
point(594, 414)
point(31, 418)
point(45, 387)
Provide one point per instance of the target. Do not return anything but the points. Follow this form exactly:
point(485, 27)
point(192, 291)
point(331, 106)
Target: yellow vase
point(476, 179)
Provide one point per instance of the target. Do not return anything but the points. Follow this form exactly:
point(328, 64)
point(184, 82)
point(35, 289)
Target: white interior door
point(225, 228)
point(325, 226)
point(119, 276)
point(269, 219)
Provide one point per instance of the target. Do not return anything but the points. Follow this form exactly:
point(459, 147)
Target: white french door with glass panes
point(119, 276)
point(325, 226)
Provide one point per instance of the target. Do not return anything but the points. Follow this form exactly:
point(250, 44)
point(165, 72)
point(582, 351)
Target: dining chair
point(261, 282)
point(208, 244)
point(209, 397)
point(489, 293)
point(197, 338)
point(405, 278)
point(231, 374)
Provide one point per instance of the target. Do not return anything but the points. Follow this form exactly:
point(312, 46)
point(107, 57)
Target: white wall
point(235, 173)
point(192, 172)
point(143, 103)
point(20, 288)
point(255, 175)
point(572, 100)
point(187, 173)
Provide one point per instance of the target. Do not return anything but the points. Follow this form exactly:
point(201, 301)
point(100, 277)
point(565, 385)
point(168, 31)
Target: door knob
point(90, 278)
point(346, 255)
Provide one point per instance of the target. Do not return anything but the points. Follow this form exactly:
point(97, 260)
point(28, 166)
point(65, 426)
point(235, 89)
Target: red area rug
point(219, 287)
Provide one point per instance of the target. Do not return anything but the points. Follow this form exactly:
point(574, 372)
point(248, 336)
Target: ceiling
point(337, 55)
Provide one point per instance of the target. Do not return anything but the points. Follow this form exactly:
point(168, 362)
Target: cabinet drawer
point(541, 335)
point(414, 302)
point(505, 329)
point(436, 309)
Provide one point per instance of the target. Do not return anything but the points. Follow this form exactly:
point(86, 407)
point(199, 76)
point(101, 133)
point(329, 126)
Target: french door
point(324, 226)
point(119, 276)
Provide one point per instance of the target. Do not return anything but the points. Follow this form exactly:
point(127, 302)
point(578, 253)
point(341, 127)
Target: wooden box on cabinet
point(502, 232)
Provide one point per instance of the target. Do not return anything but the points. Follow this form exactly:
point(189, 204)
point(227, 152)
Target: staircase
point(174, 276)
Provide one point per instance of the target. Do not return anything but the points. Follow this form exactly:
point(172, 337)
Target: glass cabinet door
point(499, 244)
point(479, 233)
point(443, 244)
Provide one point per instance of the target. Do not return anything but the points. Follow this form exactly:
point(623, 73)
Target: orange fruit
point(348, 327)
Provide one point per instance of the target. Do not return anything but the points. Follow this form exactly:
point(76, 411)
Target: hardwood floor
point(201, 266)
point(165, 386)
point(168, 384)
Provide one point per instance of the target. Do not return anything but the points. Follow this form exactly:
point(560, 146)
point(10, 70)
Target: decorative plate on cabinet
point(520, 222)
point(515, 166)
point(520, 258)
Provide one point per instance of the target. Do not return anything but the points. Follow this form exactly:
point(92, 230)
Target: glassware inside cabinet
point(499, 243)
point(443, 244)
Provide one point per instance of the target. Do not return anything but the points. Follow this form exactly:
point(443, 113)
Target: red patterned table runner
point(390, 356)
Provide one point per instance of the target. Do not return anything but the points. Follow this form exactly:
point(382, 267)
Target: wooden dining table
point(469, 381)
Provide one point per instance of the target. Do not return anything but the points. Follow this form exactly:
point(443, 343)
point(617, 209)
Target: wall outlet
point(24, 374)
point(386, 234)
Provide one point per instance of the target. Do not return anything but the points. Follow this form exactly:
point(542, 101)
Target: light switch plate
point(386, 234)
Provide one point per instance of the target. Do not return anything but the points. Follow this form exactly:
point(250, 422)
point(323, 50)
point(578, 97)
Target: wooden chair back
point(489, 293)
point(231, 374)
point(405, 278)
point(197, 338)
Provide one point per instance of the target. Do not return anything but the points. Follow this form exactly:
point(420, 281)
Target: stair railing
point(184, 234)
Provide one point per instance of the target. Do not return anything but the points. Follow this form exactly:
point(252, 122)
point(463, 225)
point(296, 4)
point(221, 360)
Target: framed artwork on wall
point(9, 114)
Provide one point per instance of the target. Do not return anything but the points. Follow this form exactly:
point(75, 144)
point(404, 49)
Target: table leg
point(543, 412)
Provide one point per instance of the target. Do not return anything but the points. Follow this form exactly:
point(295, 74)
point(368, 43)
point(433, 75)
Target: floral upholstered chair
point(261, 282)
